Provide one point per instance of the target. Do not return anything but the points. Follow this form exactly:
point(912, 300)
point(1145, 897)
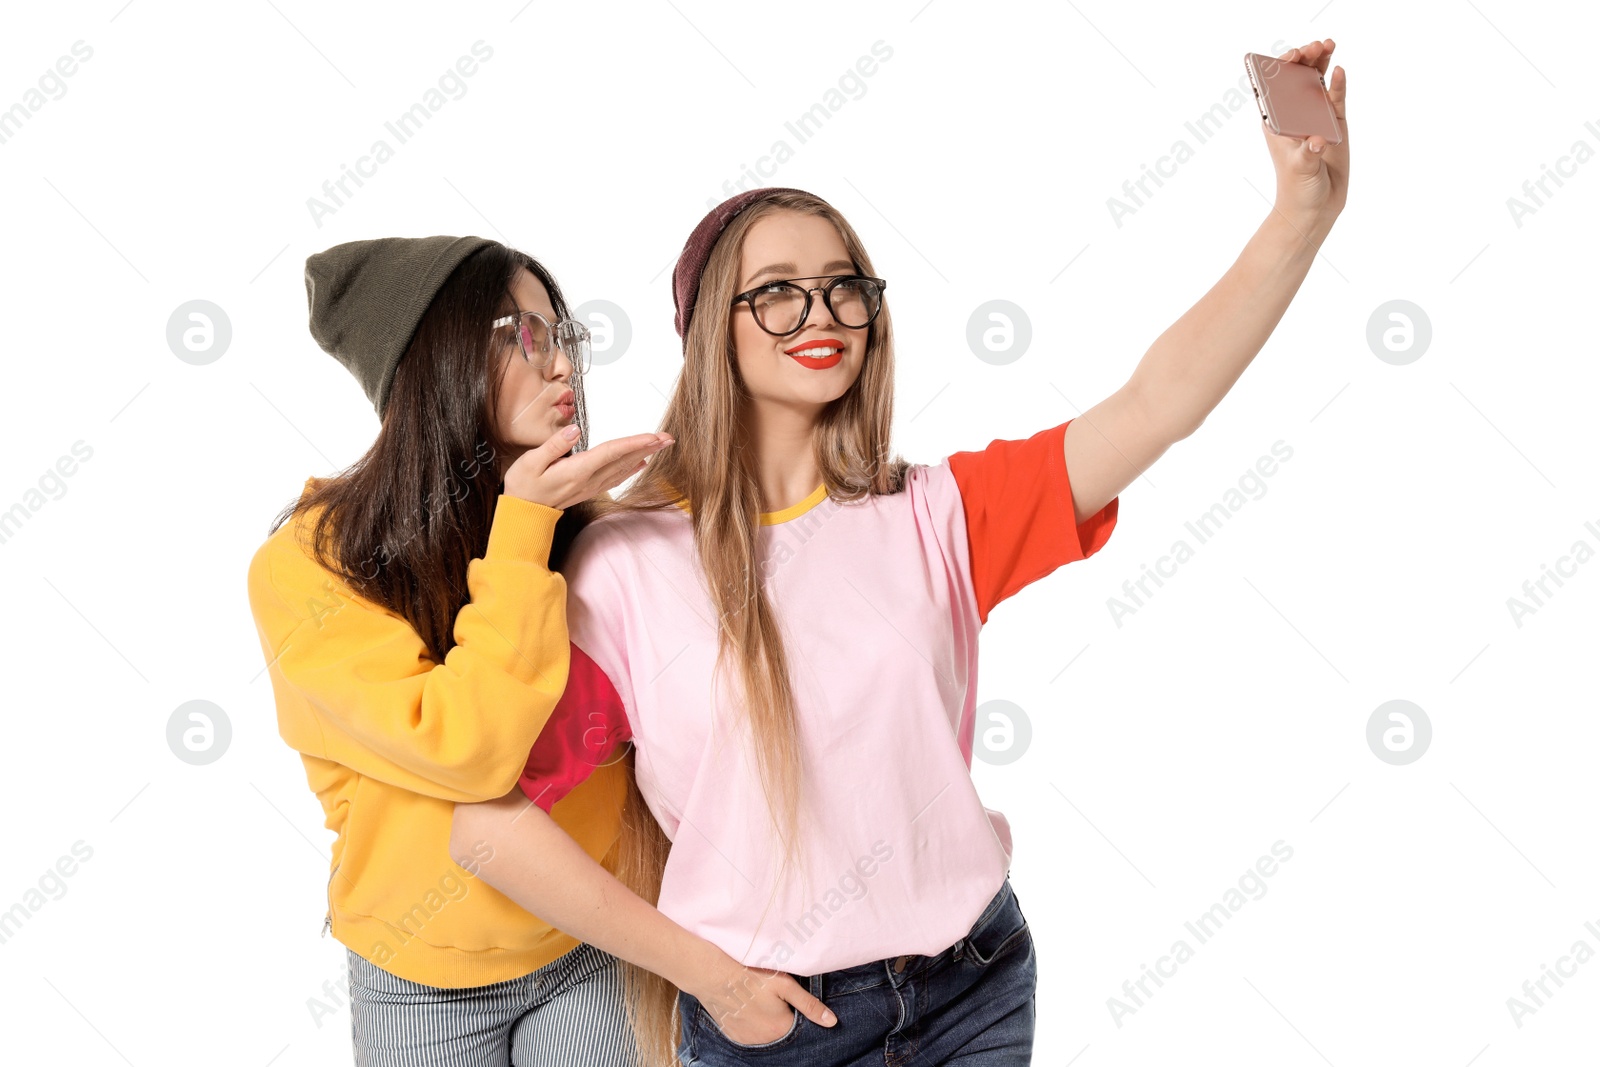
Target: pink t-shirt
point(880, 601)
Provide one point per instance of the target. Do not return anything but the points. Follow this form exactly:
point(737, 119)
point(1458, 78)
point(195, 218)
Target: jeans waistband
point(897, 969)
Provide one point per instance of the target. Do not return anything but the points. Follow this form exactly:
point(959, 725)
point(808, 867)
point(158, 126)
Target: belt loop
point(958, 951)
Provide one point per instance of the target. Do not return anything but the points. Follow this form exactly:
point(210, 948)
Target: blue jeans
point(972, 1004)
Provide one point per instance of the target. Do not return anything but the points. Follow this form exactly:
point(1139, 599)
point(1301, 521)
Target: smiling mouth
point(818, 354)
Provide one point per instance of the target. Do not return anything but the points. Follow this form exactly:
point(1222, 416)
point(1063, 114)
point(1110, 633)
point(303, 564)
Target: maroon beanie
point(692, 262)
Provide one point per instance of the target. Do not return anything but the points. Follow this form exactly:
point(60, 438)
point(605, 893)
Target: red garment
point(588, 723)
point(1019, 514)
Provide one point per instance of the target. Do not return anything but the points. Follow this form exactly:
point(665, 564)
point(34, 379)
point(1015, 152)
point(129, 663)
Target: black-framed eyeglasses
point(781, 307)
point(534, 334)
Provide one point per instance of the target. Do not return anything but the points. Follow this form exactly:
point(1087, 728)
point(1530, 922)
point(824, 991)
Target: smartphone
point(1292, 98)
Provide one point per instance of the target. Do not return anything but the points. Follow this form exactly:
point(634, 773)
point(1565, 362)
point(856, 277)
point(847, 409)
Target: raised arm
point(355, 685)
point(1190, 368)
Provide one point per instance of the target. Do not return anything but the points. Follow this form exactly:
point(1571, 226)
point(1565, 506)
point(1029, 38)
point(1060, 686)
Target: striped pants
point(568, 1013)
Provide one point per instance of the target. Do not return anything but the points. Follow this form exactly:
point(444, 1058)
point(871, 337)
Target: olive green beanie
point(367, 297)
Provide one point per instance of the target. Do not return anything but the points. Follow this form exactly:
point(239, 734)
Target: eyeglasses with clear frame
point(534, 334)
point(781, 307)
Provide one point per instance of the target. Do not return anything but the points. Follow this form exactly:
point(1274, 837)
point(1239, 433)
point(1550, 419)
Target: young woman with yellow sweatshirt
point(415, 633)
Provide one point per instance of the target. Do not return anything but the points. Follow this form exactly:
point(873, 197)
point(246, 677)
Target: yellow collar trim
point(794, 511)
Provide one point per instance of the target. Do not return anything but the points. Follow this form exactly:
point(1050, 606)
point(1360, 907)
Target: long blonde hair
point(711, 467)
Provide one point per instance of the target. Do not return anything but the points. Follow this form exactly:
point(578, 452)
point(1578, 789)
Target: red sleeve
point(1020, 522)
point(588, 723)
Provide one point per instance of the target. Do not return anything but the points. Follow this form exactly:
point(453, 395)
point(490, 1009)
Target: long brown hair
point(401, 524)
point(711, 467)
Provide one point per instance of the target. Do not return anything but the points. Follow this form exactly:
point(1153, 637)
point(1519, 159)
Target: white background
point(1227, 713)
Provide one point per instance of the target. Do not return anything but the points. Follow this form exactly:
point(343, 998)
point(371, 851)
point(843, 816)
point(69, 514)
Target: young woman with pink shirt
point(782, 617)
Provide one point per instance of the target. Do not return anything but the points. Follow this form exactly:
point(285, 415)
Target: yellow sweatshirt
point(392, 741)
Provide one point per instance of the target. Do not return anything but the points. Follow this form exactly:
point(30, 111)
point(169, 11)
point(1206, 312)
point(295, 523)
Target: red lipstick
point(815, 342)
point(834, 353)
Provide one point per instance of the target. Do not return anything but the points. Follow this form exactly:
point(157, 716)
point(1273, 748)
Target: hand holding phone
point(1292, 98)
point(1309, 143)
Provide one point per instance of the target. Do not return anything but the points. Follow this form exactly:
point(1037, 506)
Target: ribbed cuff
point(521, 530)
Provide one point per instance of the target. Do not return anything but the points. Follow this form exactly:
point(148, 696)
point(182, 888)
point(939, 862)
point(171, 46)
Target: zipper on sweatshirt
point(327, 922)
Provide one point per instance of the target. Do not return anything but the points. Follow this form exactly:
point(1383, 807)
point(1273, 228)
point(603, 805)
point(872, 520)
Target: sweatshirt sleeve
point(355, 684)
point(1019, 514)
